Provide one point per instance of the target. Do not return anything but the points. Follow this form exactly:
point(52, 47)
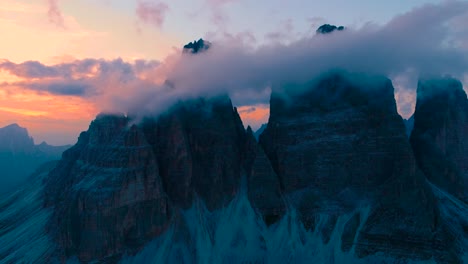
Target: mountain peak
point(428, 88)
point(327, 28)
point(197, 46)
point(13, 127)
point(15, 138)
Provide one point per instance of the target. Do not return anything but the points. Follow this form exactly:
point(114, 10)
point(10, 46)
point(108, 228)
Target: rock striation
point(198, 144)
point(338, 144)
point(121, 184)
point(106, 192)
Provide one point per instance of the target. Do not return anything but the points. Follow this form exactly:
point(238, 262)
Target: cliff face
point(339, 144)
point(335, 151)
point(199, 148)
point(342, 134)
point(117, 188)
point(440, 134)
point(107, 192)
point(263, 184)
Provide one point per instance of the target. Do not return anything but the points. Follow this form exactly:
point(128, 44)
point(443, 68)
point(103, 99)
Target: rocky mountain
point(339, 144)
point(333, 179)
point(440, 134)
point(15, 139)
point(121, 174)
point(19, 157)
point(327, 28)
point(197, 46)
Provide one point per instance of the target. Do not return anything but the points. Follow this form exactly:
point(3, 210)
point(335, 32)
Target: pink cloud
point(55, 14)
point(152, 12)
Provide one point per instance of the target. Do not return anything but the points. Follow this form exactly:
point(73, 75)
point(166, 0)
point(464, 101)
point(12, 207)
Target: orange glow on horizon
point(42, 113)
point(254, 116)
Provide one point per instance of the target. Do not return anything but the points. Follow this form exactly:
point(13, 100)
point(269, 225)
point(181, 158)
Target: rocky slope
point(440, 134)
point(23, 220)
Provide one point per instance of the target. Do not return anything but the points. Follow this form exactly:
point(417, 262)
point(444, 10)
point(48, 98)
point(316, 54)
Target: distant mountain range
point(20, 157)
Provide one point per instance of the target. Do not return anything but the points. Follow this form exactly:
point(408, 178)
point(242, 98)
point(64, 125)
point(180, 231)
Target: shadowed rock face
point(263, 185)
point(335, 150)
point(339, 144)
point(342, 134)
point(199, 148)
point(440, 134)
point(121, 184)
point(107, 193)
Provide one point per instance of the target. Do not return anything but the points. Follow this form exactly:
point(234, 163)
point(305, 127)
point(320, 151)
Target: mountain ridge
point(332, 178)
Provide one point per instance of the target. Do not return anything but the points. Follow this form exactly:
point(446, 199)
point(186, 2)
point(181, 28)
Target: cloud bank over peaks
point(427, 40)
point(420, 42)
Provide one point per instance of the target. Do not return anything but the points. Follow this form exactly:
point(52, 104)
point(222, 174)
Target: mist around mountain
point(332, 179)
point(20, 157)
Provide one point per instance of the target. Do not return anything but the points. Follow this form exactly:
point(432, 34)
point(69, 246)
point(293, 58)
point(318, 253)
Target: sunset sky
point(63, 61)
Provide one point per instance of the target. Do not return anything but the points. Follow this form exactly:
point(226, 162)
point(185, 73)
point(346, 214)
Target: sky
point(64, 61)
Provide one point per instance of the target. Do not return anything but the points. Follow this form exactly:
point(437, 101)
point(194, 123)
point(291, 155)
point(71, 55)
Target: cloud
point(247, 110)
point(424, 41)
point(415, 43)
point(152, 13)
point(29, 69)
point(284, 33)
point(254, 116)
point(55, 14)
point(89, 78)
point(218, 15)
